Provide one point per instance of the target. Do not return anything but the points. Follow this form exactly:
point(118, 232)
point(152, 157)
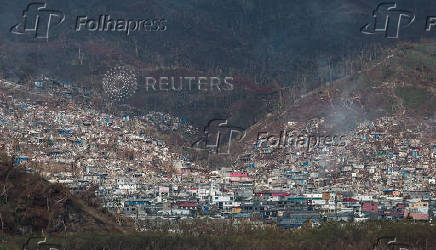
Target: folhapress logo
point(388, 19)
point(218, 137)
point(38, 19)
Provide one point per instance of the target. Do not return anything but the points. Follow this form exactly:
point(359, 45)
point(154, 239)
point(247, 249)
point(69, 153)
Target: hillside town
point(382, 169)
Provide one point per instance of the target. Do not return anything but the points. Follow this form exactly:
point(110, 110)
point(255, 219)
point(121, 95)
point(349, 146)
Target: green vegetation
point(251, 41)
point(413, 97)
point(30, 204)
point(363, 81)
point(389, 105)
point(227, 236)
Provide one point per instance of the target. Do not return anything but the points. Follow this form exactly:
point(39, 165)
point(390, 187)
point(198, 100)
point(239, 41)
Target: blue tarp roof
point(243, 215)
point(19, 160)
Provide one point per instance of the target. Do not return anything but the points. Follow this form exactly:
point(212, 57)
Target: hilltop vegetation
point(400, 83)
point(275, 51)
point(30, 205)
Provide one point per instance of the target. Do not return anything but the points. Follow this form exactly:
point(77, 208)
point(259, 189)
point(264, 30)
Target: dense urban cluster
point(382, 169)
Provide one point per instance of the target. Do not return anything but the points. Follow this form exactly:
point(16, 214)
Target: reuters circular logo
point(120, 83)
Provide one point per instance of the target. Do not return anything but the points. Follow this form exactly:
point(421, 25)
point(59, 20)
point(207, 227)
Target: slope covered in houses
point(291, 169)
